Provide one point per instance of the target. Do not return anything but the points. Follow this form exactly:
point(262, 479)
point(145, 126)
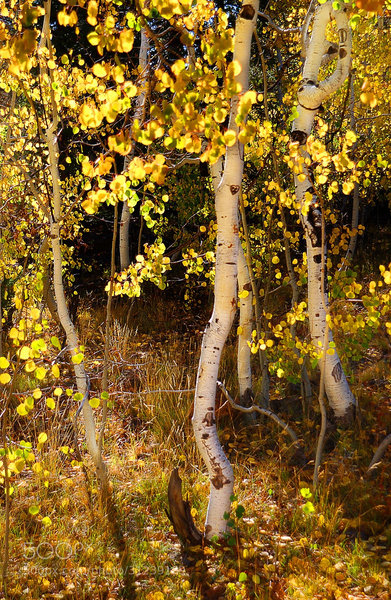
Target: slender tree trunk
point(58, 284)
point(124, 253)
point(244, 337)
point(356, 190)
point(311, 94)
point(225, 300)
point(245, 317)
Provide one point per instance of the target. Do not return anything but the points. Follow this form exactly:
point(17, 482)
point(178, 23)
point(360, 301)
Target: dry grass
point(280, 552)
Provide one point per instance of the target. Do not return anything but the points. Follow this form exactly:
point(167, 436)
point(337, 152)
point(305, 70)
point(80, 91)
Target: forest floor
point(287, 541)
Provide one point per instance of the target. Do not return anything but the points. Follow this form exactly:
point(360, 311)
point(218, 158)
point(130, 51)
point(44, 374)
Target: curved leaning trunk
point(124, 253)
point(58, 284)
point(311, 94)
point(225, 299)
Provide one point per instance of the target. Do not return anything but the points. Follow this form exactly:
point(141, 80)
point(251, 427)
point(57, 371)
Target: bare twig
point(376, 460)
point(262, 411)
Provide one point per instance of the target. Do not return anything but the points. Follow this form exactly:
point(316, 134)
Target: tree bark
point(225, 299)
point(311, 94)
point(58, 284)
point(244, 336)
point(124, 252)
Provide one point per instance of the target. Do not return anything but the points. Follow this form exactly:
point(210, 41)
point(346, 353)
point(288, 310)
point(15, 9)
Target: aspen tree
point(82, 382)
point(311, 94)
point(138, 114)
point(225, 300)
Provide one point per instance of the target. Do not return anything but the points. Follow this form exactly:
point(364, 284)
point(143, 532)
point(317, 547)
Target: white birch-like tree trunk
point(50, 134)
point(124, 253)
point(225, 298)
point(245, 316)
point(311, 94)
point(244, 336)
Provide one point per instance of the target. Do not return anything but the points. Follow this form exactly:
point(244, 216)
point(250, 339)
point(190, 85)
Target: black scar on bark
point(208, 419)
point(299, 136)
point(318, 258)
point(205, 436)
point(219, 480)
point(316, 227)
point(247, 286)
point(342, 35)
point(247, 12)
point(337, 372)
point(342, 53)
point(330, 50)
point(234, 189)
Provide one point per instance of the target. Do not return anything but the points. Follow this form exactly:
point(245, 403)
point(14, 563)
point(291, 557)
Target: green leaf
point(308, 508)
point(240, 511)
point(104, 395)
point(55, 342)
point(306, 493)
point(242, 577)
point(29, 403)
point(34, 509)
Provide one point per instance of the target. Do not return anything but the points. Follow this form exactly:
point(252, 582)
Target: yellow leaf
point(90, 116)
point(42, 438)
point(40, 373)
point(35, 314)
point(239, 330)
point(50, 403)
point(92, 12)
point(99, 70)
point(120, 143)
point(29, 367)
point(77, 358)
point(229, 137)
point(24, 352)
point(5, 378)
point(4, 363)
point(21, 410)
point(243, 294)
point(56, 371)
point(126, 38)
